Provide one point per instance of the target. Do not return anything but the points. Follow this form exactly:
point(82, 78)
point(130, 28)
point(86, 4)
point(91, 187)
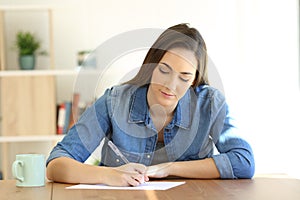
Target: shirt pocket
point(111, 159)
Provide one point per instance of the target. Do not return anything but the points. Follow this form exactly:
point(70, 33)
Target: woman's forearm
point(205, 169)
point(67, 170)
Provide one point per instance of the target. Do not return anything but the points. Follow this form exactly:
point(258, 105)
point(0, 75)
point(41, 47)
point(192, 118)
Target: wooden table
point(255, 189)
point(9, 191)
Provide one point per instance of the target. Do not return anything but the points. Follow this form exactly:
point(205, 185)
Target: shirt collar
point(183, 111)
point(139, 109)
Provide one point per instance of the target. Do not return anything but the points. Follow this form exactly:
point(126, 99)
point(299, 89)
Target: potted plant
point(81, 56)
point(27, 45)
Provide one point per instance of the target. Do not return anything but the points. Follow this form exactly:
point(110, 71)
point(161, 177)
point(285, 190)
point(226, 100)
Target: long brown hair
point(181, 36)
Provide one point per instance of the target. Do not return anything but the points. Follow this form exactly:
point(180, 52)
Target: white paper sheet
point(152, 185)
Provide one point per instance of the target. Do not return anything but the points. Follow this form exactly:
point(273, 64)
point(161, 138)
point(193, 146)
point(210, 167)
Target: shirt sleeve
point(84, 137)
point(235, 158)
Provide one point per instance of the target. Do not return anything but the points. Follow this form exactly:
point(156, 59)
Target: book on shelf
point(64, 118)
point(61, 114)
point(75, 106)
point(68, 113)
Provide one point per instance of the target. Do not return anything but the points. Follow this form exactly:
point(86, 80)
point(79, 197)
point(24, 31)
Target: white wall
point(254, 45)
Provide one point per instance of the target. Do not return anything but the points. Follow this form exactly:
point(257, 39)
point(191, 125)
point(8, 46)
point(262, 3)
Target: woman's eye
point(184, 79)
point(164, 69)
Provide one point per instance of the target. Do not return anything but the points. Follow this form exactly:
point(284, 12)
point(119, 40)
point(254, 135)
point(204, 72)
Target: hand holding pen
point(134, 173)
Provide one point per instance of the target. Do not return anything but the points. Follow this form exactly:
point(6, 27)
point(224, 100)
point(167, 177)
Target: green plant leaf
point(26, 43)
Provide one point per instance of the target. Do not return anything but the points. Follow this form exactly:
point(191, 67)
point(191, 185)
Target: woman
point(163, 122)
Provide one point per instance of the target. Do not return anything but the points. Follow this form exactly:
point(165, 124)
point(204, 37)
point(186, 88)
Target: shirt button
point(148, 156)
point(117, 160)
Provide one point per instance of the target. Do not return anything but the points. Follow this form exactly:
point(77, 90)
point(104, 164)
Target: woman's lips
point(167, 94)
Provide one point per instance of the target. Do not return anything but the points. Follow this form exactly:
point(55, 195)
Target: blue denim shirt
point(201, 122)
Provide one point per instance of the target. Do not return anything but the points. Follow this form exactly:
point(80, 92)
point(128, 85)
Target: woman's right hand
point(131, 174)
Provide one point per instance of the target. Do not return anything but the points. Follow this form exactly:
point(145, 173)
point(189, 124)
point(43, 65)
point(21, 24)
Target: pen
point(117, 151)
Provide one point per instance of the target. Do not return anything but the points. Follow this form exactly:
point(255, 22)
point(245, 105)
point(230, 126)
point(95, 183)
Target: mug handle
point(15, 169)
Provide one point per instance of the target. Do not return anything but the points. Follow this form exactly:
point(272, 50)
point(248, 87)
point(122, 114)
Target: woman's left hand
point(159, 171)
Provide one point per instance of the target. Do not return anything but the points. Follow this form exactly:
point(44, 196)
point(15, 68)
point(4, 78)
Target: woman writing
point(163, 122)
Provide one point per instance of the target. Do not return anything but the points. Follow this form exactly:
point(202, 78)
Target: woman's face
point(172, 77)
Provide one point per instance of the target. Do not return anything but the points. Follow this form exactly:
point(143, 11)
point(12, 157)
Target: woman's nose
point(171, 82)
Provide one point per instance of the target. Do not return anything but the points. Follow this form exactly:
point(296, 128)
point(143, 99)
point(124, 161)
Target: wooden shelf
point(24, 7)
point(31, 138)
point(8, 73)
point(28, 97)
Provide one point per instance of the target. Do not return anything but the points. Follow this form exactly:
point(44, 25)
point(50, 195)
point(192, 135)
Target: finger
point(133, 181)
point(146, 178)
point(140, 178)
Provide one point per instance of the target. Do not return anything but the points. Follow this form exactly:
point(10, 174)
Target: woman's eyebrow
point(185, 73)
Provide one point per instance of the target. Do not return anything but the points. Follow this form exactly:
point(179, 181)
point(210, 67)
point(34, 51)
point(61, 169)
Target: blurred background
point(254, 45)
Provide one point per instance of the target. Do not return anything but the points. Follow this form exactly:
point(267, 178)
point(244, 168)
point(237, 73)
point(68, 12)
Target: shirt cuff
point(224, 166)
point(56, 153)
